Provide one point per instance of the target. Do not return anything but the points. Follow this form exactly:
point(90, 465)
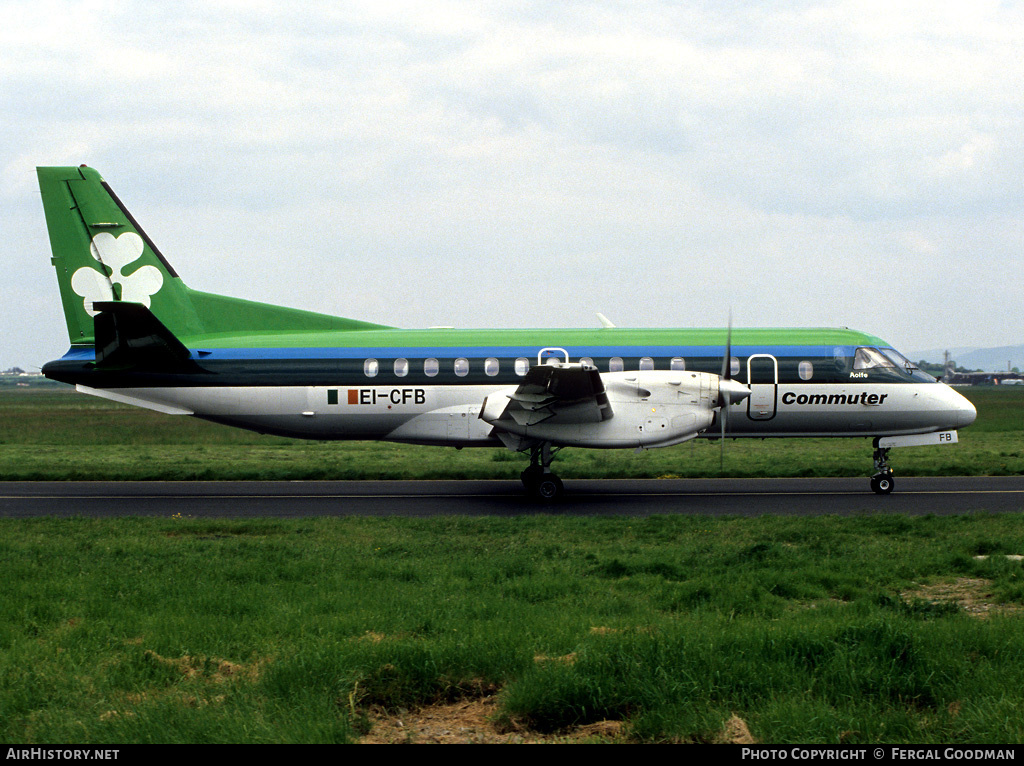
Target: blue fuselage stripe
point(504, 352)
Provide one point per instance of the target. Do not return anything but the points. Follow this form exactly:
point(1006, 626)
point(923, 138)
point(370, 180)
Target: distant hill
point(973, 358)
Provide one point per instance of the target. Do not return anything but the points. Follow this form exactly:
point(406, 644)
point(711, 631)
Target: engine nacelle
point(647, 409)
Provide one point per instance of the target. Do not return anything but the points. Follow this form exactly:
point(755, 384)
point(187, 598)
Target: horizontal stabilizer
point(135, 401)
point(128, 335)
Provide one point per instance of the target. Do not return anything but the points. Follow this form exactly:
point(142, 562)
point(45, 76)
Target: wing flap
point(559, 394)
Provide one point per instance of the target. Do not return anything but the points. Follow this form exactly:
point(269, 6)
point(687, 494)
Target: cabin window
point(522, 366)
point(401, 367)
point(734, 366)
point(371, 368)
point(615, 364)
point(462, 367)
point(646, 363)
point(587, 360)
point(491, 366)
point(805, 370)
point(678, 364)
point(431, 367)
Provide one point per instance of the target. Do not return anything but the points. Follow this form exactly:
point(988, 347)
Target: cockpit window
point(898, 359)
point(869, 359)
point(889, 359)
point(907, 367)
point(842, 360)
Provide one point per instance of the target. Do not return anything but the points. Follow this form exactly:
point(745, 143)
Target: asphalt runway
point(717, 497)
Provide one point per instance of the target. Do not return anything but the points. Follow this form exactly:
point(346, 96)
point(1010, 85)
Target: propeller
point(729, 391)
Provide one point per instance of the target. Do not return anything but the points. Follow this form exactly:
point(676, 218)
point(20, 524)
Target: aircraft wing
point(564, 395)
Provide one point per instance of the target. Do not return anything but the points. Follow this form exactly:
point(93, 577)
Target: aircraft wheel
point(549, 488)
point(531, 476)
point(882, 484)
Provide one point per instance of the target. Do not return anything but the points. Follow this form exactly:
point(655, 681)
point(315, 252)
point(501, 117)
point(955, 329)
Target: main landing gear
point(882, 483)
point(540, 483)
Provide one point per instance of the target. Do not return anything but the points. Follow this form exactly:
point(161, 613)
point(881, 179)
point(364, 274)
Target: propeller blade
point(729, 391)
point(723, 415)
point(723, 393)
point(727, 359)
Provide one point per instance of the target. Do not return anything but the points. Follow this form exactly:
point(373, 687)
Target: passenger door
point(763, 378)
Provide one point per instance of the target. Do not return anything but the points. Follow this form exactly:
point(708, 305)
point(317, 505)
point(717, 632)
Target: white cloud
point(658, 159)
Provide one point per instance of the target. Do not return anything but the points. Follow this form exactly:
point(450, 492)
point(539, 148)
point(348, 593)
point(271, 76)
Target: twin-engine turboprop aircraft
point(139, 335)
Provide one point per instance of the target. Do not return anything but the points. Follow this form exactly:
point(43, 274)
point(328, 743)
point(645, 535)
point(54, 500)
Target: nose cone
point(962, 410)
point(966, 414)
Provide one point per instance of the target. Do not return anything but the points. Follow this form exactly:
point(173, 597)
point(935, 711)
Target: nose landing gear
point(882, 483)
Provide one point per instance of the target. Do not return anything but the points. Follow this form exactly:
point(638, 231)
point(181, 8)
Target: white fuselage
point(450, 415)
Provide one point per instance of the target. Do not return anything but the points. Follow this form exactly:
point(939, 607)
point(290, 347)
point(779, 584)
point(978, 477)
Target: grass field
point(56, 435)
point(682, 628)
point(823, 630)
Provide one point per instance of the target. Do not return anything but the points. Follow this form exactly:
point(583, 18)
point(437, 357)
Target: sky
point(527, 164)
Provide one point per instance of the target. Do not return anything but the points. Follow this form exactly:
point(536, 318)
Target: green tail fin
point(101, 255)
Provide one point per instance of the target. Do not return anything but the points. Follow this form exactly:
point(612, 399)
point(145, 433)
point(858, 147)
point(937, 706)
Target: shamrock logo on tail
point(116, 253)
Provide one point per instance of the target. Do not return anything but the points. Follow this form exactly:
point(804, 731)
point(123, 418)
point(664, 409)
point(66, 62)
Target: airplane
point(140, 336)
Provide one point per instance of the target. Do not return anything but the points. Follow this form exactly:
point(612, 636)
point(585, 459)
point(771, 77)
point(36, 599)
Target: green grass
point(810, 630)
point(58, 435)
